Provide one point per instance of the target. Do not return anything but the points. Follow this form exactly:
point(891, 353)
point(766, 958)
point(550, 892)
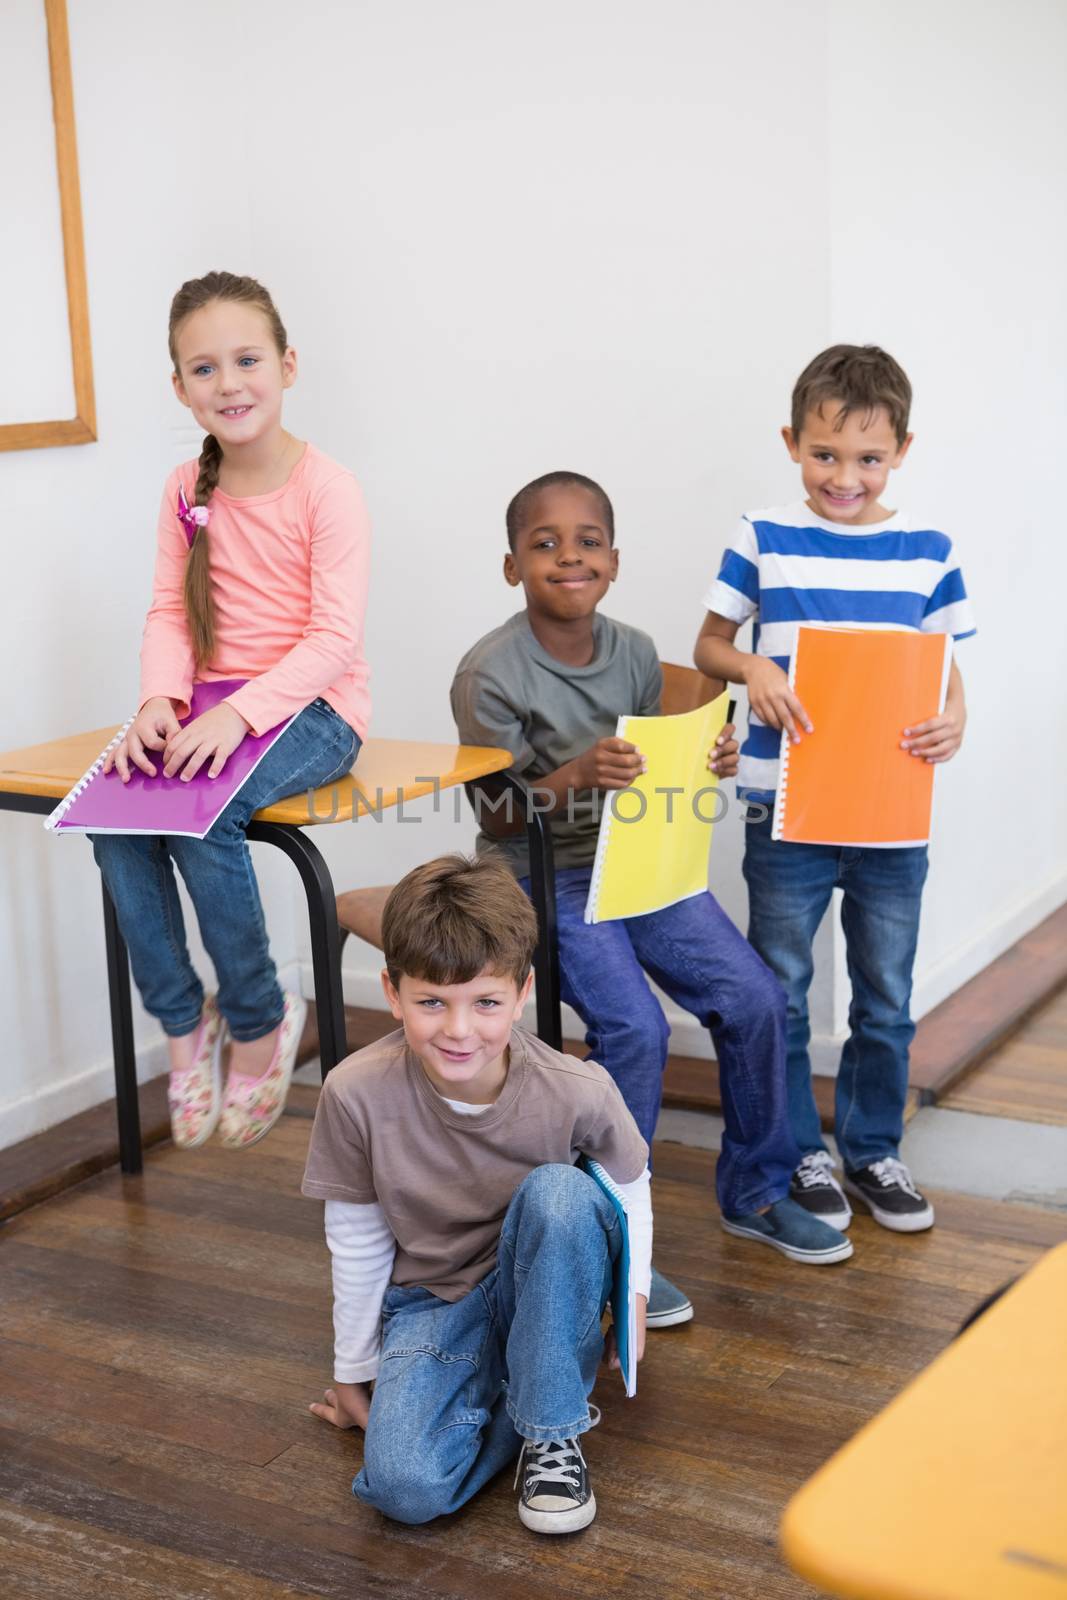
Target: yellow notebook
point(655, 835)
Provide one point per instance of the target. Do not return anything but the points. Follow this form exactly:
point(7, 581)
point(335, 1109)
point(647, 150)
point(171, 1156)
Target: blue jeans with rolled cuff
point(696, 955)
point(317, 747)
point(462, 1383)
point(789, 889)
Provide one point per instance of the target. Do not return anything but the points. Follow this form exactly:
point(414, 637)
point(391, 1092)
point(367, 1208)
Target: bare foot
point(251, 1059)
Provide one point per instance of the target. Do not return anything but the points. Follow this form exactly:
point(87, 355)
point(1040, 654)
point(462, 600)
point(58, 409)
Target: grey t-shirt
point(509, 691)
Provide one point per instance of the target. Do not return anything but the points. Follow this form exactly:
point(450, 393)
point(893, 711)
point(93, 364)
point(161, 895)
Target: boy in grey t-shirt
point(549, 685)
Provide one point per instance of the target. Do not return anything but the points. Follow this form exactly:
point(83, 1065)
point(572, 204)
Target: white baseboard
point(55, 1102)
point(362, 987)
point(79, 1091)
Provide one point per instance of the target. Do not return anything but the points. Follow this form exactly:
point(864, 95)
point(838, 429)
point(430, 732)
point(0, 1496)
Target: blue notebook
point(623, 1298)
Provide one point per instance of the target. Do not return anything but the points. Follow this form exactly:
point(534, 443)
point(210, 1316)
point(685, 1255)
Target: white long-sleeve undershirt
point(362, 1248)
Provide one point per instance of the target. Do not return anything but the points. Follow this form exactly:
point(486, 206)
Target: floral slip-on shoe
point(251, 1106)
point(194, 1094)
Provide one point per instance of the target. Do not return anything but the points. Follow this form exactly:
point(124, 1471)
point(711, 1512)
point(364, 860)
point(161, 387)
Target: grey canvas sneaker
point(667, 1304)
point(792, 1230)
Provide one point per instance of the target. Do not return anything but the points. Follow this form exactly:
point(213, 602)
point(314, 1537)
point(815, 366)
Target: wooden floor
point(161, 1337)
point(1025, 1078)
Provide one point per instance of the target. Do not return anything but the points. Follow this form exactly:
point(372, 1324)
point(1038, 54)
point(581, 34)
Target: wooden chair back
point(685, 689)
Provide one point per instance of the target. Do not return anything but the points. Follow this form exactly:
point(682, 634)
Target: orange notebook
point(849, 782)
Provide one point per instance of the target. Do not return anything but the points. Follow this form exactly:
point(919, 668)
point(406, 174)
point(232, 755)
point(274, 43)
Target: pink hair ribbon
point(191, 517)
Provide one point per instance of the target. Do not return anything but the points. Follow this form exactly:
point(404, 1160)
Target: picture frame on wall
point(46, 379)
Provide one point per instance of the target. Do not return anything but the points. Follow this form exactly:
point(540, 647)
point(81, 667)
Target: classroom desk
point(958, 1489)
point(388, 772)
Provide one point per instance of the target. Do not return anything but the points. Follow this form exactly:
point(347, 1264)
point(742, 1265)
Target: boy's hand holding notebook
point(611, 763)
point(655, 833)
point(851, 781)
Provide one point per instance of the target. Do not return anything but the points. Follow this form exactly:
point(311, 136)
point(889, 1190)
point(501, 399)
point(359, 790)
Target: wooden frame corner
point(81, 428)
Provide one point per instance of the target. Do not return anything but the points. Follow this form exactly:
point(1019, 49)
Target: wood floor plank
point(1026, 1077)
point(227, 1343)
point(47, 1163)
point(108, 1229)
point(310, 1554)
point(49, 1557)
point(148, 1408)
point(965, 1028)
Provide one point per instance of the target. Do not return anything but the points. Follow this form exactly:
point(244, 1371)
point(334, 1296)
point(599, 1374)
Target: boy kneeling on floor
point(472, 1260)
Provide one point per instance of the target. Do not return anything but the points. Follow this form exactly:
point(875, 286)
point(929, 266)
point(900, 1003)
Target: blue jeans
point(463, 1382)
point(317, 747)
point(697, 956)
point(789, 889)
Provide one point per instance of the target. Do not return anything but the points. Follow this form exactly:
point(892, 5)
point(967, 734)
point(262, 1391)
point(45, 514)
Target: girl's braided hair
point(193, 296)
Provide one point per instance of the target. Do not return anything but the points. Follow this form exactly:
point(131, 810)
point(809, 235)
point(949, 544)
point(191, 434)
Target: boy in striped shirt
point(838, 557)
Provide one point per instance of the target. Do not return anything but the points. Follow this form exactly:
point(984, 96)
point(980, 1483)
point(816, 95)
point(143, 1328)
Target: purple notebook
point(101, 803)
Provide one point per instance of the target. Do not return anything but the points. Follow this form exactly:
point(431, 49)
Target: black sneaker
point(814, 1187)
point(889, 1193)
point(556, 1495)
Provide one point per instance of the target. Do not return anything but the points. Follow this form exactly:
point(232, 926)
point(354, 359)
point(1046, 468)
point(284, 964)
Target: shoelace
point(814, 1171)
point(890, 1171)
point(552, 1463)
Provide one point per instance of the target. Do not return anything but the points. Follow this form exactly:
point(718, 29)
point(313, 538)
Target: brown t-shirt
point(443, 1178)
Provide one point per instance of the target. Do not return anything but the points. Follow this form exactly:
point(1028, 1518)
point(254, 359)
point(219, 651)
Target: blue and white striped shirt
point(787, 566)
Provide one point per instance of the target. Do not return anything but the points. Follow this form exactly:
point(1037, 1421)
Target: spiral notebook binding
point(607, 817)
point(784, 747)
point(604, 1178)
point(54, 818)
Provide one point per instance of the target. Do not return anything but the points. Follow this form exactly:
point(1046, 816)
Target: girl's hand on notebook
point(610, 764)
point(150, 729)
point(346, 1405)
point(212, 737)
point(723, 757)
point(771, 698)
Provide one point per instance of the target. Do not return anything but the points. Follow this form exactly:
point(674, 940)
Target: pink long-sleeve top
point(289, 573)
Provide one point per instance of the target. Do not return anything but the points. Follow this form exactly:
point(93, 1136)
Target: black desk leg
point(543, 897)
point(325, 936)
point(118, 984)
point(546, 956)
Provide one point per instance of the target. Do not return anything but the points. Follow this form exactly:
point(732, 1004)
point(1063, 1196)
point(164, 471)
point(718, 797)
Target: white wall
point(948, 153)
point(589, 236)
